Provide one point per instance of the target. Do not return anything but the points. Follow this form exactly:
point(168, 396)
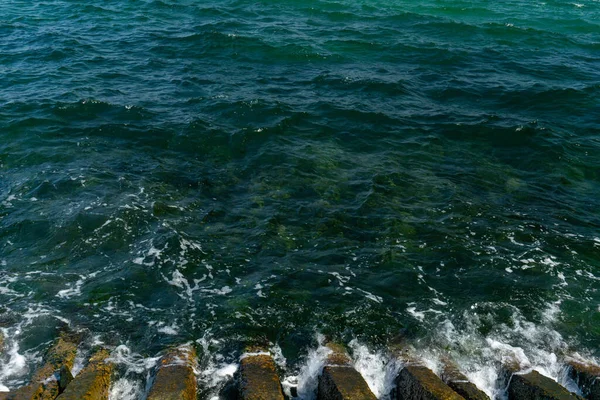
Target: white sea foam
point(72, 290)
point(79, 362)
point(172, 329)
point(480, 357)
point(180, 281)
point(126, 389)
point(223, 291)
point(133, 362)
point(75, 289)
point(378, 368)
point(278, 356)
point(306, 380)
point(16, 363)
point(134, 371)
point(217, 369)
point(417, 314)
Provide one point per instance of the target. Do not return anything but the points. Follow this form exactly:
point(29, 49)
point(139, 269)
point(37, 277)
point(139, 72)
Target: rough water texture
point(215, 172)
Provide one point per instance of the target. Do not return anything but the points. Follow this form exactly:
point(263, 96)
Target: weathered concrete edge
point(258, 378)
point(415, 381)
point(48, 382)
point(94, 380)
point(459, 382)
point(176, 377)
point(531, 384)
point(339, 379)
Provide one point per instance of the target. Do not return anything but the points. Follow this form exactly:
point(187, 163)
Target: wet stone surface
point(338, 355)
point(258, 378)
point(468, 390)
point(458, 382)
point(534, 386)
point(343, 383)
point(50, 380)
point(175, 379)
point(93, 382)
point(587, 377)
point(415, 382)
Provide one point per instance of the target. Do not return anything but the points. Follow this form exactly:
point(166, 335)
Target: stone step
point(417, 382)
point(51, 379)
point(258, 377)
point(339, 380)
point(93, 382)
point(533, 385)
point(175, 379)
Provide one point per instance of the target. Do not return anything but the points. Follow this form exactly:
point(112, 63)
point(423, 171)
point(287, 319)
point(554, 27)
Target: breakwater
point(257, 377)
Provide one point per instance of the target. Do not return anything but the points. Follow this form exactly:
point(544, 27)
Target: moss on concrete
point(468, 390)
point(50, 380)
point(534, 386)
point(343, 383)
point(175, 379)
point(415, 382)
point(338, 356)
point(93, 381)
point(258, 379)
point(458, 382)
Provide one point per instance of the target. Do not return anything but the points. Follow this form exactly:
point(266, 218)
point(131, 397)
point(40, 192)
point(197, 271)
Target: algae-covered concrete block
point(534, 386)
point(339, 380)
point(416, 382)
point(458, 382)
point(338, 355)
point(343, 383)
point(93, 381)
point(175, 379)
point(258, 378)
point(49, 381)
point(587, 377)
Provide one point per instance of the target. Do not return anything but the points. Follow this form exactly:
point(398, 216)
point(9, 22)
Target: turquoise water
point(224, 172)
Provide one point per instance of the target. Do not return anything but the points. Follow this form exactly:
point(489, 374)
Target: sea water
point(216, 173)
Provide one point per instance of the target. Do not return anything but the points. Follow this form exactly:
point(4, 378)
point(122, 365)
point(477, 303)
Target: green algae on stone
point(458, 382)
point(415, 382)
point(259, 379)
point(50, 380)
point(93, 382)
point(535, 386)
point(338, 355)
point(343, 383)
point(339, 380)
point(175, 379)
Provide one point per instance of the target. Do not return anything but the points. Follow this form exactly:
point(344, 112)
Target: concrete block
point(175, 379)
point(258, 378)
point(416, 382)
point(343, 383)
point(534, 386)
point(93, 382)
point(458, 382)
point(50, 380)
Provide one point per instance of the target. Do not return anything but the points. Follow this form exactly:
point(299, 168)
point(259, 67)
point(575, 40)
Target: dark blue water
point(224, 172)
